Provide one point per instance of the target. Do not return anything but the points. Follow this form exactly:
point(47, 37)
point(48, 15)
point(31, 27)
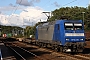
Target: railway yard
point(11, 49)
point(44, 30)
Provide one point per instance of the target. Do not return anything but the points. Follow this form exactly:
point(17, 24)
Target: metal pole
point(23, 20)
point(83, 16)
point(23, 25)
point(0, 26)
point(32, 23)
point(23, 31)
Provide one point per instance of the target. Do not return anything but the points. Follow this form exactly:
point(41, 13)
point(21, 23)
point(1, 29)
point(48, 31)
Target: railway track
point(83, 56)
point(78, 56)
point(75, 55)
point(2, 54)
point(48, 55)
point(72, 56)
point(26, 55)
point(51, 56)
point(17, 53)
point(65, 56)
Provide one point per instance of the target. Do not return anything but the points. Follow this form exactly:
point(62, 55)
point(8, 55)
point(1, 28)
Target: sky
point(28, 12)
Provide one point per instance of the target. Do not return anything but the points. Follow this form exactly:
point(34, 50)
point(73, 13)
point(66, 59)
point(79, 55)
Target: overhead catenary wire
point(69, 3)
point(15, 9)
point(62, 5)
point(17, 6)
point(44, 4)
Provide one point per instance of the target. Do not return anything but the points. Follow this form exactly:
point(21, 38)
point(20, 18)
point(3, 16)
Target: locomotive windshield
point(77, 26)
point(73, 26)
point(69, 26)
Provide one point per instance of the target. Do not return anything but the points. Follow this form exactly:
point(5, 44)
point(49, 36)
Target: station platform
point(5, 53)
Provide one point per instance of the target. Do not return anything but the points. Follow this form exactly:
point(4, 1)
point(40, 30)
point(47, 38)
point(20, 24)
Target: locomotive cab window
point(68, 26)
point(77, 26)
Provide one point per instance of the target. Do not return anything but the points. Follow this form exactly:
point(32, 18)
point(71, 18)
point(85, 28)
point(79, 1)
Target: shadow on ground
point(86, 51)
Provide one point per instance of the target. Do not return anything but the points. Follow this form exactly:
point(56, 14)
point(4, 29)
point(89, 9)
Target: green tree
point(72, 13)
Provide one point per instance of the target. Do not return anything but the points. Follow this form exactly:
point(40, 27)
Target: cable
point(17, 6)
point(69, 2)
point(14, 11)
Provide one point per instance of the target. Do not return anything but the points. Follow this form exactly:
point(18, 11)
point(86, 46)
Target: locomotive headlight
point(81, 39)
point(67, 39)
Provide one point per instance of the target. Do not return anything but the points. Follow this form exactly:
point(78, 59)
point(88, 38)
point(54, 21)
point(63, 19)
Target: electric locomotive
point(62, 35)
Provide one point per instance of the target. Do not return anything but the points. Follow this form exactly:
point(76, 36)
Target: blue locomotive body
point(64, 35)
point(66, 31)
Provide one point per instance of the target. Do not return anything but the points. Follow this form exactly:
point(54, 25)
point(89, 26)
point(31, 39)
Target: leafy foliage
point(70, 13)
point(73, 13)
point(11, 30)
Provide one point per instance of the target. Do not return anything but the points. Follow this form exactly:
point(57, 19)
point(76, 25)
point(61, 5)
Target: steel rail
point(17, 53)
point(29, 52)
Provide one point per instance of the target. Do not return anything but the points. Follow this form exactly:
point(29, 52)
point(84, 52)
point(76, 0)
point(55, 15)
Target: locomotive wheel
point(56, 48)
point(61, 49)
point(39, 44)
point(45, 45)
point(80, 50)
point(53, 47)
point(42, 45)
